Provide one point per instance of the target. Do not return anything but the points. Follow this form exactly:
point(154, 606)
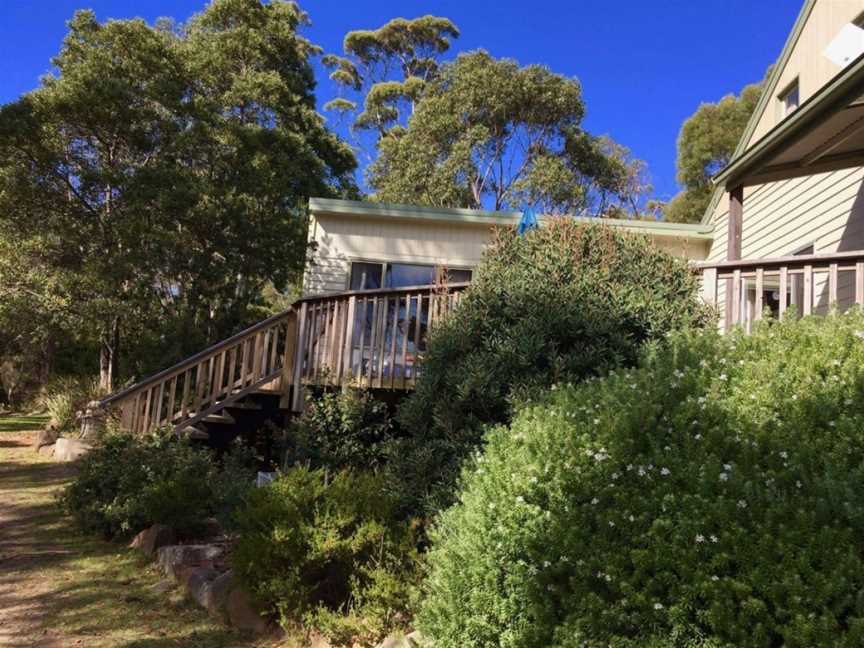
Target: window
point(368, 275)
point(788, 99)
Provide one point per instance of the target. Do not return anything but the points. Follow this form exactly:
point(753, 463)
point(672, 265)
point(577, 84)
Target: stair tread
point(222, 417)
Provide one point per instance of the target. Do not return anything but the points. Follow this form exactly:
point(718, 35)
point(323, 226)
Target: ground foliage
point(711, 496)
point(566, 302)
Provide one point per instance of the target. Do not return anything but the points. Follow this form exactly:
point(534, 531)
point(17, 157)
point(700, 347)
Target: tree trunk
point(108, 355)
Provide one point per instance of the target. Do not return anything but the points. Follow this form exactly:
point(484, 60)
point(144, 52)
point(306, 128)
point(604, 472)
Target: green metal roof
point(330, 206)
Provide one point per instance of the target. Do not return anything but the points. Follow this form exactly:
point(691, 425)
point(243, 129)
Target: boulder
point(173, 559)
point(400, 640)
point(197, 582)
point(46, 437)
point(215, 594)
point(154, 538)
point(67, 449)
point(242, 612)
point(47, 450)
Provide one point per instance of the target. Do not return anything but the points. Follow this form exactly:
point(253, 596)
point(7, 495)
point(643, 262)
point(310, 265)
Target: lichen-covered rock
point(173, 559)
point(67, 449)
point(198, 580)
point(215, 594)
point(154, 538)
point(242, 612)
point(46, 437)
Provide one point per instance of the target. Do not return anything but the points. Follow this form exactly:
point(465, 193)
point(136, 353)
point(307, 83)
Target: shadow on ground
point(59, 588)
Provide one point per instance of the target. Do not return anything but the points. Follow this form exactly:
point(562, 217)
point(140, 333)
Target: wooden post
point(288, 357)
point(733, 245)
point(297, 400)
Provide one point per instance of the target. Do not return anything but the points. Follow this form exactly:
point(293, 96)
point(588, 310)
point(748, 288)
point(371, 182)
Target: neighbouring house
point(785, 229)
point(364, 245)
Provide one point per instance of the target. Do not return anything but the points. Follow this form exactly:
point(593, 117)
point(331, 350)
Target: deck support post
point(733, 246)
point(287, 381)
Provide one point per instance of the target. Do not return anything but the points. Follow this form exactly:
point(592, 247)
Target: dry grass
point(60, 588)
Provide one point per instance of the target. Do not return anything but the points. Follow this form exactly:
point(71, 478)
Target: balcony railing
point(371, 338)
point(747, 290)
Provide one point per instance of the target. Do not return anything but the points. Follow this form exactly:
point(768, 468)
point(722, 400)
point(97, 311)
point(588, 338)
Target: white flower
point(784, 454)
point(641, 471)
point(798, 484)
point(546, 563)
point(632, 519)
point(520, 500)
point(727, 467)
point(596, 421)
point(723, 376)
point(715, 578)
point(714, 539)
point(608, 578)
point(700, 538)
point(658, 606)
point(724, 476)
point(615, 475)
point(698, 437)
point(595, 501)
point(611, 523)
point(742, 504)
point(664, 471)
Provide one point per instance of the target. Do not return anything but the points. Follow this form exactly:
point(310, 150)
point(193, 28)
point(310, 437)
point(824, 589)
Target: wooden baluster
point(289, 355)
point(859, 283)
point(759, 289)
point(200, 382)
point(244, 362)
point(784, 290)
point(832, 286)
point(302, 324)
point(418, 335)
point(157, 410)
point(394, 334)
point(405, 334)
point(709, 286)
point(373, 338)
point(329, 364)
point(338, 340)
point(218, 372)
point(257, 352)
point(145, 423)
point(274, 348)
point(184, 404)
point(736, 298)
point(232, 368)
point(172, 394)
point(382, 341)
point(364, 315)
point(136, 414)
point(347, 369)
point(312, 336)
point(808, 289)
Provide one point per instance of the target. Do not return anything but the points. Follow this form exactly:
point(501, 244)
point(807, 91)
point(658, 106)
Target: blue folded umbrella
point(527, 222)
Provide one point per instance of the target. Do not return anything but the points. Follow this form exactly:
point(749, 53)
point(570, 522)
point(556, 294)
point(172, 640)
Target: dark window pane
point(458, 276)
point(400, 275)
point(365, 276)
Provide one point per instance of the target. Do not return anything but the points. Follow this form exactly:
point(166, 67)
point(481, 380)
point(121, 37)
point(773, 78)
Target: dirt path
point(59, 588)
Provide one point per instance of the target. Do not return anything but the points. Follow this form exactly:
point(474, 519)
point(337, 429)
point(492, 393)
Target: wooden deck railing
point(371, 338)
point(745, 291)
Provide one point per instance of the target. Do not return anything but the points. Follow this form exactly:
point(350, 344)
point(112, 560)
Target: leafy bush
point(326, 552)
point(342, 430)
point(128, 483)
point(565, 302)
point(64, 397)
point(713, 496)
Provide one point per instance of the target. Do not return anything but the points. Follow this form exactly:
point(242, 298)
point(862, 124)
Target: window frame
point(437, 269)
point(783, 109)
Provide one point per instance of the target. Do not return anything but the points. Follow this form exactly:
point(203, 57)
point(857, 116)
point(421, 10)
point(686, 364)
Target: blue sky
point(644, 65)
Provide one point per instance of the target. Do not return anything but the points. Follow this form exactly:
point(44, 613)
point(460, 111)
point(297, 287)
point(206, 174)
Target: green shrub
point(64, 397)
point(342, 430)
point(712, 496)
point(128, 483)
point(563, 303)
point(327, 553)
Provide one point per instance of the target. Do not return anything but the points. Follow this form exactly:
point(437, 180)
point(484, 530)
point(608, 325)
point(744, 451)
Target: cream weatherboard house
point(785, 229)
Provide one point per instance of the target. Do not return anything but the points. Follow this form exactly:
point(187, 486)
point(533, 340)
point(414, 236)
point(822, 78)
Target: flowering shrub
point(712, 496)
point(565, 302)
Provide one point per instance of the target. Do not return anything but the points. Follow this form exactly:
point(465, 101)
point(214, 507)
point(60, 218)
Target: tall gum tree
point(163, 171)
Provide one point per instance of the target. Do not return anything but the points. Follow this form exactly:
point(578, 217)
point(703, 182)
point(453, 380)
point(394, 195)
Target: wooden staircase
point(373, 339)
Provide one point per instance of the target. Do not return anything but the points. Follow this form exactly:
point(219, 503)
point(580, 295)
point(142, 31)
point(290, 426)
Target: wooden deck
point(373, 339)
point(747, 290)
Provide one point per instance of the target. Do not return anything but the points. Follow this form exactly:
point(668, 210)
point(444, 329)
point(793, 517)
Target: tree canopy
point(159, 175)
point(487, 132)
point(706, 144)
point(392, 64)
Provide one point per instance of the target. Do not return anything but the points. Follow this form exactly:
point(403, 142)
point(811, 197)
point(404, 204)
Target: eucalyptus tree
point(706, 143)
point(392, 65)
point(486, 132)
point(159, 174)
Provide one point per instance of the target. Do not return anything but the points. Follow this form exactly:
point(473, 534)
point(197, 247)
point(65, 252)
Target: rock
point(46, 437)
point(164, 586)
point(401, 641)
point(215, 594)
point(67, 449)
point(153, 538)
point(173, 559)
point(198, 581)
point(47, 450)
point(242, 613)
